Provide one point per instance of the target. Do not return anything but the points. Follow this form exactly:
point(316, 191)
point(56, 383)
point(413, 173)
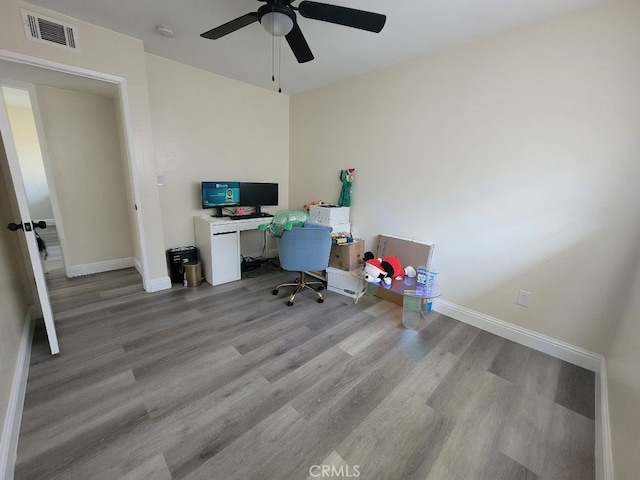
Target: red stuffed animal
point(377, 269)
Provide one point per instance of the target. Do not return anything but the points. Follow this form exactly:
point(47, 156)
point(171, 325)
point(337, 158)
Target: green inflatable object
point(285, 220)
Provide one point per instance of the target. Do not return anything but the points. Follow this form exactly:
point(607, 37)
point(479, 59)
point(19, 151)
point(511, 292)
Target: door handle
point(14, 227)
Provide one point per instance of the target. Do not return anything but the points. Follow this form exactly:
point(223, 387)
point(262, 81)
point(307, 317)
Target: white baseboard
point(157, 284)
point(556, 348)
point(13, 416)
point(99, 267)
point(137, 265)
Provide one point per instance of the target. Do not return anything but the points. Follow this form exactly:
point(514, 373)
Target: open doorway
point(70, 151)
point(82, 120)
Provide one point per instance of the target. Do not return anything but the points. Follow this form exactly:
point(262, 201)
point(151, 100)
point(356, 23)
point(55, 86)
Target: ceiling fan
point(278, 17)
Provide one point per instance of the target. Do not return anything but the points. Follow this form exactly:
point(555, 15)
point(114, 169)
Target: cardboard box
point(349, 283)
point(347, 256)
point(410, 252)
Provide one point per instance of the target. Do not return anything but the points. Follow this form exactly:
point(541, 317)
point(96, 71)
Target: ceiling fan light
point(277, 24)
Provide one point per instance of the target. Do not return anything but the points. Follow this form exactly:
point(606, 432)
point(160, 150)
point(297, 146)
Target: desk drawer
point(225, 228)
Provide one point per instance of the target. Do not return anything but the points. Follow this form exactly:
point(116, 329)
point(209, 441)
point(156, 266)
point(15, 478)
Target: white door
point(26, 222)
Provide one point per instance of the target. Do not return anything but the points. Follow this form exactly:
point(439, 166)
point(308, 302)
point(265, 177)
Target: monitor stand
point(217, 212)
point(259, 214)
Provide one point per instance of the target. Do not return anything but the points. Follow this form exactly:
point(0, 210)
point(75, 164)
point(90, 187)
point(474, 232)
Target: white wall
point(83, 145)
point(207, 127)
point(35, 180)
point(113, 54)
point(517, 156)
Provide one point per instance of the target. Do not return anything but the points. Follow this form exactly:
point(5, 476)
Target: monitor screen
point(220, 194)
point(258, 194)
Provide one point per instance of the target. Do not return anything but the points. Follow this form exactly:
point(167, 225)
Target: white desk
point(218, 241)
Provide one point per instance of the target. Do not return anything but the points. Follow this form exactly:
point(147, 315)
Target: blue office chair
point(304, 249)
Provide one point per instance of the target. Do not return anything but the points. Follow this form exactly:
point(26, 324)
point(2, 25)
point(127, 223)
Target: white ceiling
point(414, 28)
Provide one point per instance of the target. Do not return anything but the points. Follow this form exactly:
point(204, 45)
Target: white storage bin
point(331, 216)
point(349, 283)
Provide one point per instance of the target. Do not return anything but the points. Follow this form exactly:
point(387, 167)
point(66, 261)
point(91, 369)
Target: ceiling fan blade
point(231, 26)
point(349, 17)
point(299, 45)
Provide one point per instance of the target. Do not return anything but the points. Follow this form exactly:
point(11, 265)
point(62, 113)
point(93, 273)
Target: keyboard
point(250, 215)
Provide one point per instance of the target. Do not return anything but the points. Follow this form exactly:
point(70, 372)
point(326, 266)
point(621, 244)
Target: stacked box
point(349, 283)
point(347, 256)
point(336, 217)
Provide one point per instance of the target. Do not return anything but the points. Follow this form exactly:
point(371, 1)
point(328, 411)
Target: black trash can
point(176, 258)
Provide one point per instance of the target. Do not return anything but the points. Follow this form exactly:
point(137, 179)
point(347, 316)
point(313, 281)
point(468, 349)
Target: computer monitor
point(220, 194)
point(254, 194)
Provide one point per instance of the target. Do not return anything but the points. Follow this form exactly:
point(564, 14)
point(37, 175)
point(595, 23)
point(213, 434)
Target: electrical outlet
point(524, 298)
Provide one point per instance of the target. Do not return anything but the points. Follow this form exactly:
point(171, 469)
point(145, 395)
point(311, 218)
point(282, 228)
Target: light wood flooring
point(230, 383)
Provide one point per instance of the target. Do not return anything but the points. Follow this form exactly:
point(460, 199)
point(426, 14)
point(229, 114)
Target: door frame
point(125, 115)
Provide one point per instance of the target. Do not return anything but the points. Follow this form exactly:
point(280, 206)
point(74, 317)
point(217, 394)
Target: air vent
point(48, 30)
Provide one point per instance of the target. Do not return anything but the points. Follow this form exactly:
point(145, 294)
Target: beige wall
point(207, 127)
point(81, 134)
point(35, 180)
point(15, 297)
point(114, 54)
point(517, 156)
point(623, 371)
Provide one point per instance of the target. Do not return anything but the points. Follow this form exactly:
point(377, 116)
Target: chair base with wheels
point(300, 285)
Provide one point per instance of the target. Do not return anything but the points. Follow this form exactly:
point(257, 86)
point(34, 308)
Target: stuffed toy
point(306, 207)
point(385, 269)
point(346, 177)
point(285, 220)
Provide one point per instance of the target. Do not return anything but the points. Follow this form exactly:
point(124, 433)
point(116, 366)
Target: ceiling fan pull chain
point(280, 65)
point(273, 61)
